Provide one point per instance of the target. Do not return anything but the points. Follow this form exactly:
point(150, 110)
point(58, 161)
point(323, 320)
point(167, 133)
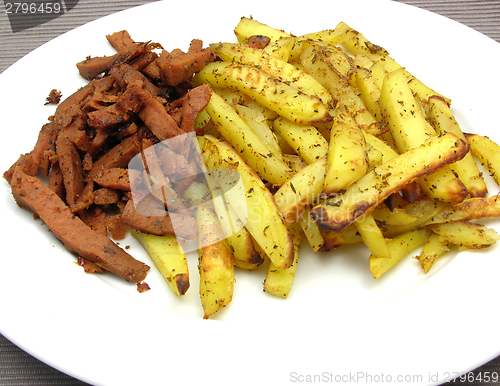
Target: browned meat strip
point(121, 40)
point(147, 218)
point(158, 120)
point(129, 103)
point(71, 168)
point(90, 68)
point(196, 100)
point(33, 194)
point(114, 178)
point(181, 67)
point(106, 196)
point(124, 74)
point(118, 157)
point(31, 161)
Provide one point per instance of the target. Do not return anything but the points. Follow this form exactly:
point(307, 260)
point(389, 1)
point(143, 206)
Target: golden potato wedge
point(168, 257)
point(260, 126)
point(278, 69)
point(315, 61)
point(347, 159)
point(467, 234)
point(269, 91)
point(248, 27)
point(410, 129)
point(264, 221)
point(235, 130)
point(281, 48)
point(400, 246)
point(333, 239)
point(364, 195)
point(470, 209)
point(216, 265)
point(278, 281)
point(301, 190)
point(467, 170)
point(418, 87)
point(488, 152)
point(372, 237)
point(305, 140)
point(312, 231)
point(435, 246)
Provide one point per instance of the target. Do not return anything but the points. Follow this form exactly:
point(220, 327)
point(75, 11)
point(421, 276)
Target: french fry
point(435, 246)
point(417, 86)
point(372, 237)
point(316, 62)
point(410, 129)
point(301, 190)
point(470, 209)
point(269, 91)
point(364, 195)
point(312, 231)
point(467, 234)
point(400, 246)
point(488, 152)
point(305, 140)
point(279, 69)
point(248, 27)
point(168, 257)
point(216, 265)
point(347, 159)
point(278, 281)
point(235, 130)
point(264, 223)
point(258, 122)
point(466, 168)
point(334, 239)
point(281, 48)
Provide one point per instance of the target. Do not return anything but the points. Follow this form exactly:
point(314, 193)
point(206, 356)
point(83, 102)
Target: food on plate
point(245, 148)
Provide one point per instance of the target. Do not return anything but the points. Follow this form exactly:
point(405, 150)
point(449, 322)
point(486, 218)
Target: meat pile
point(137, 103)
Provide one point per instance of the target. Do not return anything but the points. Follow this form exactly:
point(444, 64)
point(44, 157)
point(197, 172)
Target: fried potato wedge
point(400, 246)
point(168, 257)
point(488, 152)
point(372, 237)
point(315, 61)
point(241, 136)
point(333, 239)
point(470, 209)
point(347, 159)
point(435, 246)
point(266, 89)
point(278, 281)
point(417, 86)
point(364, 195)
point(264, 221)
point(279, 69)
point(312, 231)
point(216, 265)
point(301, 190)
point(305, 140)
point(249, 27)
point(467, 170)
point(467, 234)
point(410, 129)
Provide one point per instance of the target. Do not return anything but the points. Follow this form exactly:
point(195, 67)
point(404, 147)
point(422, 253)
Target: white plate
point(338, 322)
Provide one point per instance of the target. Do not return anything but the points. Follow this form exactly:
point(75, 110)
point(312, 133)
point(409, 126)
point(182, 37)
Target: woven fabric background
point(18, 368)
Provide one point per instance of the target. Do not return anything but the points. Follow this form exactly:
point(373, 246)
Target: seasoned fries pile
point(330, 138)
